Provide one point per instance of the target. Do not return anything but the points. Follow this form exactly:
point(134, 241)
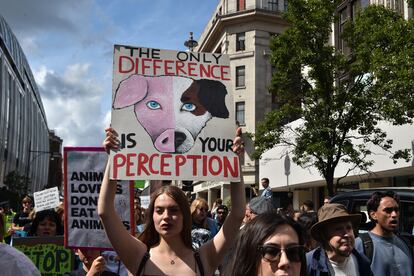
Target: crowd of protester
point(178, 237)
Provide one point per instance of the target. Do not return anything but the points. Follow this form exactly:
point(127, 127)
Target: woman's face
point(167, 216)
point(200, 213)
point(283, 237)
point(46, 227)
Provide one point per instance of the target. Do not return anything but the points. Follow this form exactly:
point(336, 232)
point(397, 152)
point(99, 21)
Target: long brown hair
point(150, 236)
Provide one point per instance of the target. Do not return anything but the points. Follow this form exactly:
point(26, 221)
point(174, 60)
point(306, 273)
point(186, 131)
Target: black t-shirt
point(21, 219)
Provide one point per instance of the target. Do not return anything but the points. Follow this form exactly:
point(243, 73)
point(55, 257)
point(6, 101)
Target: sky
point(69, 47)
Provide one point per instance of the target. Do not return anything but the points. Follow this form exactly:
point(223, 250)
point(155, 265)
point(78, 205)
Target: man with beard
point(336, 254)
point(389, 254)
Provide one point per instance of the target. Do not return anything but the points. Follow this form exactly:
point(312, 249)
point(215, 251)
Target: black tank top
point(147, 256)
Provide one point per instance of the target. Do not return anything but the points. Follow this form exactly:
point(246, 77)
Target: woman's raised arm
point(212, 253)
point(129, 249)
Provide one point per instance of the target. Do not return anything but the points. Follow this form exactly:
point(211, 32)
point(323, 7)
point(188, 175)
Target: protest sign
point(47, 253)
point(46, 199)
point(174, 115)
point(84, 170)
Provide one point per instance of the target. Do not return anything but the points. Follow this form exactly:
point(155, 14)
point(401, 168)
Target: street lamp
point(190, 43)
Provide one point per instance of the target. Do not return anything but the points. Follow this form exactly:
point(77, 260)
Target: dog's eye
point(153, 105)
point(188, 107)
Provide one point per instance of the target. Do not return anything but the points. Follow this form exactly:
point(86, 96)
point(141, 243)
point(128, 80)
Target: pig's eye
point(153, 105)
point(188, 107)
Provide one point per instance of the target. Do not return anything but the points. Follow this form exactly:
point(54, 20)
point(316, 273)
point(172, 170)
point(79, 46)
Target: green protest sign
point(47, 253)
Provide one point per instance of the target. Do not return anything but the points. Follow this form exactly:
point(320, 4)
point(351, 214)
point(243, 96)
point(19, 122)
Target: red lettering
point(151, 165)
point(142, 160)
point(116, 164)
point(194, 158)
point(179, 65)
point(191, 69)
point(156, 66)
point(179, 161)
point(205, 72)
point(168, 69)
point(204, 165)
point(144, 65)
point(234, 171)
point(212, 71)
point(211, 165)
point(130, 164)
point(164, 165)
point(225, 71)
point(121, 63)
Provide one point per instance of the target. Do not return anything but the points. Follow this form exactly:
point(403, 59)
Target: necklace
point(172, 262)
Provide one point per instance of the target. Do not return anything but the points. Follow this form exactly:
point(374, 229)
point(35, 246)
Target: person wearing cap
point(336, 254)
point(258, 205)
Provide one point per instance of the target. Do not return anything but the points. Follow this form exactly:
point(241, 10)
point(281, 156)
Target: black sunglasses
point(389, 210)
point(272, 253)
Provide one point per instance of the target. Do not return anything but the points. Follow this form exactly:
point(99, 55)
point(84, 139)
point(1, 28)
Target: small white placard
point(145, 201)
point(46, 199)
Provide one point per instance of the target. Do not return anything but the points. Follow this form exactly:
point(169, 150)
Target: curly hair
point(374, 202)
point(42, 215)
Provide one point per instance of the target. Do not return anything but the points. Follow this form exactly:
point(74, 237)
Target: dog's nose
point(179, 138)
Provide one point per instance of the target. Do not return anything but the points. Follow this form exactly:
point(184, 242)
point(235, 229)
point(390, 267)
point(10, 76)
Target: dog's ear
point(212, 95)
point(130, 91)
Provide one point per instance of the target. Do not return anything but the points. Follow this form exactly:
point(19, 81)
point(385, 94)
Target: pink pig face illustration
point(173, 110)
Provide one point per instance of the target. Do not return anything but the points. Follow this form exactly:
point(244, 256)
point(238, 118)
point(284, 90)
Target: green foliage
point(17, 184)
point(341, 98)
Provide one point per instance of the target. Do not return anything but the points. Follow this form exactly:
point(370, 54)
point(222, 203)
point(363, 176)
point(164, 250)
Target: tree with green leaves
point(340, 96)
point(17, 184)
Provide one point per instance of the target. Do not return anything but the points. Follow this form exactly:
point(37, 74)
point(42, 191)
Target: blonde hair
point(197, 203)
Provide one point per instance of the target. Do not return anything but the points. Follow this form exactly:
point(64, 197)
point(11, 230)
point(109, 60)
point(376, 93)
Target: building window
point(240, 76)
point(240, 38)
point(241, 5)
point(285, 5)
point(240, 107)
point(273, 5)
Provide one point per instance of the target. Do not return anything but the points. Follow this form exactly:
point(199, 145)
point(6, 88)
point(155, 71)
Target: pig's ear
point(130, 91)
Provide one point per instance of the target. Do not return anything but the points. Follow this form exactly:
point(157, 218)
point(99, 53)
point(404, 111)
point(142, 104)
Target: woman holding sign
point(164, 248)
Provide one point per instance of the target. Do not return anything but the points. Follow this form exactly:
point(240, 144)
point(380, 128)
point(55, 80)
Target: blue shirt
point(317, 263)
point(267, 193)
point(390, 256)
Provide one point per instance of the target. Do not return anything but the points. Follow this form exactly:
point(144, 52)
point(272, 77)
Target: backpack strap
point(199, 263)
point(143, 262)
point(368, 245)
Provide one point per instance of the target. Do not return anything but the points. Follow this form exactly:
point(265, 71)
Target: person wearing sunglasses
point(203, 228)
point(269, 245)
point(336, 254)
point(389, 253)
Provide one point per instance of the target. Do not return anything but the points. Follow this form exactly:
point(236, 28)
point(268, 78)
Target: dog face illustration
point(173, 110)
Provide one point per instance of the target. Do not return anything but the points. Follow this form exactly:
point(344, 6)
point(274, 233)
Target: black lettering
point(48, 261)
point(229, 144)
point(74, 176)
point(212, 144)
point(62, 256)
point(203, 143)
point(131, 140)
point(118, 188)
point(126, 224)
point(179, 54)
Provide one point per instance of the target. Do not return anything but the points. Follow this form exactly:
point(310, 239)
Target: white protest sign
point(174, 115)
point(84, 170)
point(145, 201)
point(46, 199)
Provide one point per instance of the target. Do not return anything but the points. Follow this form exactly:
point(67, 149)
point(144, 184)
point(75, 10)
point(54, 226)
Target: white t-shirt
point(348, 268)
point(15, 263)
